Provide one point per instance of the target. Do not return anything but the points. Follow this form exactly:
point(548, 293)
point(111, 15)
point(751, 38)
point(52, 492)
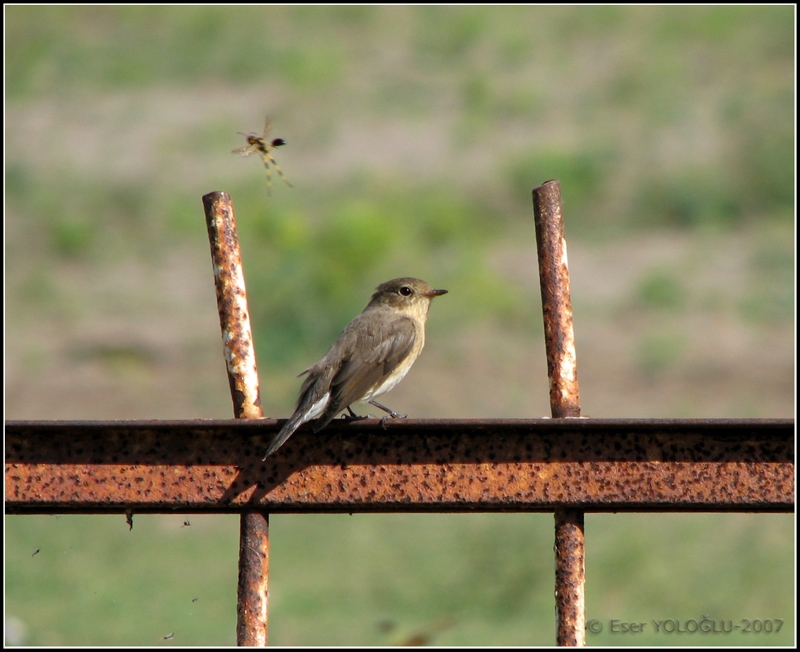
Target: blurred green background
point(414, 137)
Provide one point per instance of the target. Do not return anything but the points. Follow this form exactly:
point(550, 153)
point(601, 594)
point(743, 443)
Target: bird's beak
point(435, 293)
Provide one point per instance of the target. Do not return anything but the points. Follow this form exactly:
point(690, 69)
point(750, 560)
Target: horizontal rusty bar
point(405, 465)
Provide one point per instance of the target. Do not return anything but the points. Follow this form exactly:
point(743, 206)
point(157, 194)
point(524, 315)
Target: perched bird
point(369, 358)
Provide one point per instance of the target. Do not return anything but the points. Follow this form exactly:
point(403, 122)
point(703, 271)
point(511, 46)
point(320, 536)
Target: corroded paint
point(402, 465)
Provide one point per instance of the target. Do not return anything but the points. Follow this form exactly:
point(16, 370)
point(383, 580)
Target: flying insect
point(264, 148)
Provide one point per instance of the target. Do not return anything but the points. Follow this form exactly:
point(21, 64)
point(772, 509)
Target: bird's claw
point(391, 415)
point(352, 416)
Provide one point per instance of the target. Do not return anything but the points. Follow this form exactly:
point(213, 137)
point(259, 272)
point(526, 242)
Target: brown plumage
point(369, 358)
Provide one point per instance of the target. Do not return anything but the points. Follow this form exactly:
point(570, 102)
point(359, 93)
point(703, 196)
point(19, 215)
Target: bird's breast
point(387, 383)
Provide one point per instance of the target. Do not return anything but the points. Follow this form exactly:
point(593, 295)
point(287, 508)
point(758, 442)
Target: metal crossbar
point(410, 465)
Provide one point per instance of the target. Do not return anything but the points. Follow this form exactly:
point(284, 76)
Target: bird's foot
point(352, 416)
point(391, 412)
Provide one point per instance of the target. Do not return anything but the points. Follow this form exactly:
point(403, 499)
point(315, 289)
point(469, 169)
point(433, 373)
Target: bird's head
point(410, 295)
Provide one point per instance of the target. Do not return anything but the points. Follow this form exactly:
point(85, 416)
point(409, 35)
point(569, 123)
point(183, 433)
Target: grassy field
point(414, 137)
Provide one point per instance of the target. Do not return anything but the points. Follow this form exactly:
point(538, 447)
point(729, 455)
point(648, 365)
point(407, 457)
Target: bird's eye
point(405, 291)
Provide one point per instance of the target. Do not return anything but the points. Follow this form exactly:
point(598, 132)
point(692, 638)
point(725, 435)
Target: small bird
point(369, 358)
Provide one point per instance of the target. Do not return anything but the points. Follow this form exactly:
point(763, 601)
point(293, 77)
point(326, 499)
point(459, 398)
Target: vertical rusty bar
point(240, 360)
point(251, 608)
point(564, 402)
point(570, 578)
point(551, 247)
point(234, 318)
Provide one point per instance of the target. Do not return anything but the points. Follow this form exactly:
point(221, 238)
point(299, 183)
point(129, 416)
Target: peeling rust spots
point(234, 317)
point(551, 249)
point(240, 360)
point(570, 577)
point(410, 465)
point(251, 626)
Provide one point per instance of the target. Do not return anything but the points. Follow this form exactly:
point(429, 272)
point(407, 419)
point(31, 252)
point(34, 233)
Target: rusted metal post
point(240, 360)
point(551, 247)
point(564, 402)
point(570, 578)
point(251, 607)
point(234, 318)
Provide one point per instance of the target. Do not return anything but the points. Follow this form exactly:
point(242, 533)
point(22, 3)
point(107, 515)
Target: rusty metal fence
point(564, 465)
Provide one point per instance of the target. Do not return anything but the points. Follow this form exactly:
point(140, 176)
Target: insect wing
point(266, 128)
point(245, 151)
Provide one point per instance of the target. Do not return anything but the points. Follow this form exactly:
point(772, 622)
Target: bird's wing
point(366, 353)
point(368, 359)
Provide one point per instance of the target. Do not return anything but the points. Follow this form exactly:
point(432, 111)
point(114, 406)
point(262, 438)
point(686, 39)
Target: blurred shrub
point(309, 275)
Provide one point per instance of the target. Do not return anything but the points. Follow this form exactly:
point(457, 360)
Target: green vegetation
point(414, 137)
point(649, 116)
point(469, 579)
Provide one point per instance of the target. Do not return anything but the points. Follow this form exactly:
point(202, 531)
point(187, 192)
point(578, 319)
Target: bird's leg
point(391, 412)
point(352, 416)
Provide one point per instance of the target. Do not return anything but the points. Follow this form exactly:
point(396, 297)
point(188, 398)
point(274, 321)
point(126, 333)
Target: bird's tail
point(287, 431)
point(307, 409)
